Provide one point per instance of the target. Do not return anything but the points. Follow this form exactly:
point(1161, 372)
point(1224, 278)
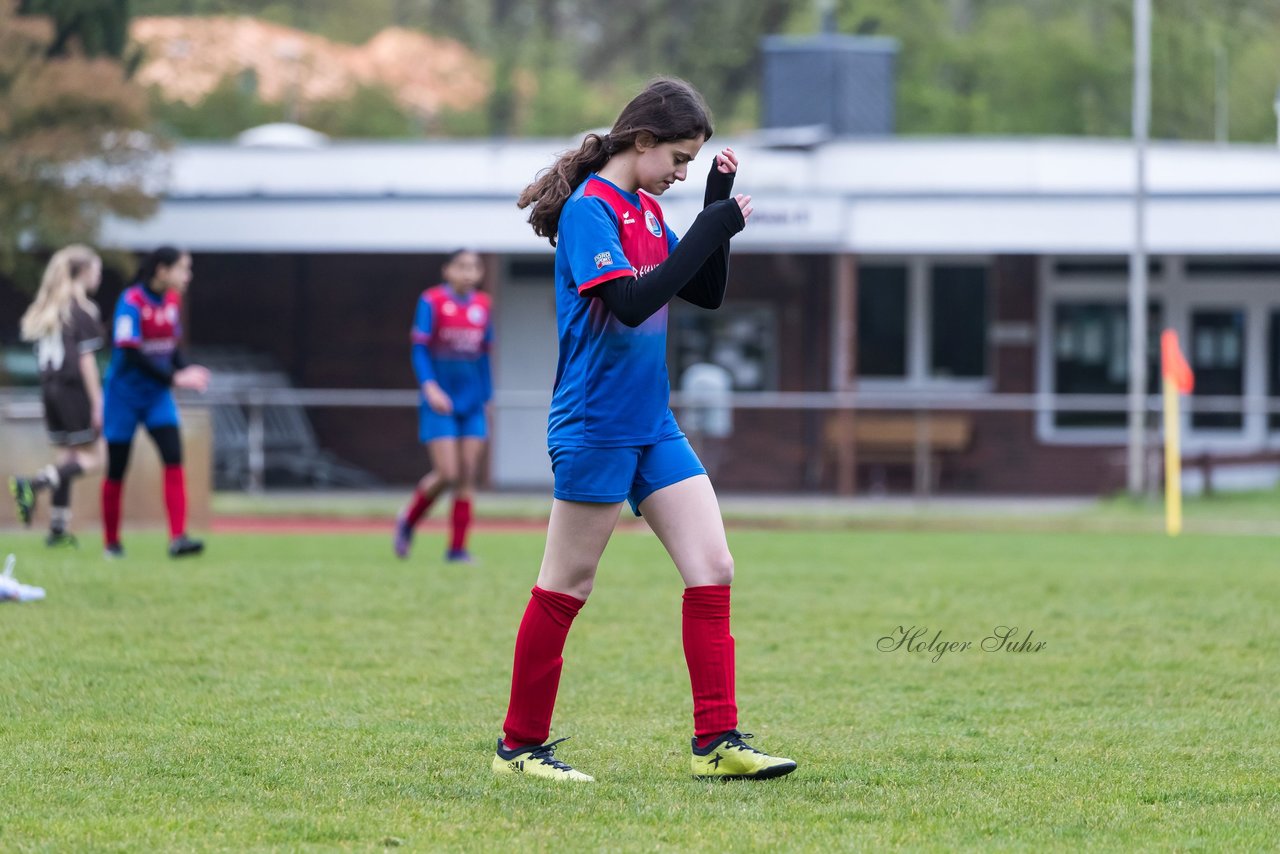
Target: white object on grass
point(13, 591)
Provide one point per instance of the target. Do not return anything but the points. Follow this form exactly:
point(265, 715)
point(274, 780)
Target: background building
point(941, 269)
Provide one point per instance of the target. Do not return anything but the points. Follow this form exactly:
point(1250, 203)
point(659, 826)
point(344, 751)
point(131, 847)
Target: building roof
point(892, 195)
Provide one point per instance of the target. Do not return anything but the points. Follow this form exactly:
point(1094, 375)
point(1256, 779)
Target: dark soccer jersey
point(58, 354)
point(611, 385)
point(150, 323)
point(456, 333)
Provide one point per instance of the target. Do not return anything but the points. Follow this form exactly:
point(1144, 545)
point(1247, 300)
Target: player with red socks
point(145, 364)
point(611, 434)
point(452, 334)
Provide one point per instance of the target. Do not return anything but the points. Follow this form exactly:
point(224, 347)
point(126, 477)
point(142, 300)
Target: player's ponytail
point(668, 109)
point(60, 286)
point(164, 256)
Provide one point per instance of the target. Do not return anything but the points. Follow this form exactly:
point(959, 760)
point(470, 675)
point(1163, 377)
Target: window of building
point(922, 322)
point(882, 321)
point(1217, 358)
point(740, 337)
point(1091, 356)
point(1239, 267)
point(958, 321)
point(1093, 268)
point(1273, 372)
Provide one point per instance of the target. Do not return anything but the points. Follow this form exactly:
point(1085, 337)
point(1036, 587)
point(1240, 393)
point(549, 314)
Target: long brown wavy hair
point(666, 110)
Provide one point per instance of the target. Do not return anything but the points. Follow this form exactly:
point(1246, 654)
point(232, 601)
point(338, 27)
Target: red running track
point(327, 525)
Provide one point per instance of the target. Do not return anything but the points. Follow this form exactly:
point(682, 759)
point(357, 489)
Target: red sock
point(175, 500)
point(112, 492)
point(535, 676)
point(708, 651)
point(461, 521)
point(418, 506)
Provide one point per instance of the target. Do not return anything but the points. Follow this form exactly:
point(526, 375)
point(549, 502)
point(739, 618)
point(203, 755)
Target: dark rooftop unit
point(842, 83)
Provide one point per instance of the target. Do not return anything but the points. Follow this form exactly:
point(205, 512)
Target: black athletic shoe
point(182, 546)
point(61, 539)
point(113, 552)
point(24, 495)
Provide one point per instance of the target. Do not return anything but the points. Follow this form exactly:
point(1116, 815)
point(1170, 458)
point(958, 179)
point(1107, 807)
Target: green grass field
point(312, 693)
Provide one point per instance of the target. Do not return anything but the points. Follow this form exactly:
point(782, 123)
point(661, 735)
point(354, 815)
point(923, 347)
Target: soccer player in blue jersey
point(452, 334)
point(611, 435)
point(145, 364)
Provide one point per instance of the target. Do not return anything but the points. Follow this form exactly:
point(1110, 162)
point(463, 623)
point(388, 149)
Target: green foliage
point(965, 66)
point(369, 112)
point(233, 106)
point(1059, 67)
point(314, 693)
point(73, 146)
point(94, 27)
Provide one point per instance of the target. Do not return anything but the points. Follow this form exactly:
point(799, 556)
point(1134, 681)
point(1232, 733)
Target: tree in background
point(965, 66)
point(73, 144)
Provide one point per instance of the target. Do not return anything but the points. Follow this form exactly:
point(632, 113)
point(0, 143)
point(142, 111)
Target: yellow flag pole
point(1172, 461)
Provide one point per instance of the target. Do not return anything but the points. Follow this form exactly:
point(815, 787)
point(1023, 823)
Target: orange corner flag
point(1173, 365)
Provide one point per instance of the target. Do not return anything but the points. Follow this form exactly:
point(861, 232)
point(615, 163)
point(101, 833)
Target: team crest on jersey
point(172, 312)
point(604, 259)
point(651, 222)
point(477, 315)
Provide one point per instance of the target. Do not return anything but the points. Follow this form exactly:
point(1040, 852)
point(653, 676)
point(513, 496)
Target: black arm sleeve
point(706, 289)
point(133, 358)
point(634, 300)
point(180, 360)
point(719, 186)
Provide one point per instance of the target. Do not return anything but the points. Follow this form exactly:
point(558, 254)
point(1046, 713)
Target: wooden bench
point(917, 439)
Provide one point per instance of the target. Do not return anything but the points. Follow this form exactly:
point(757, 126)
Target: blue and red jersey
point(150, 323)
point(451, 338)
point(612, 388)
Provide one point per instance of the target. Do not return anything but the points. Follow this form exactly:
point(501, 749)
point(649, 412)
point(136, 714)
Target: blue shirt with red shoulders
point(151, 323)
point(451, 338)
point(612, 388)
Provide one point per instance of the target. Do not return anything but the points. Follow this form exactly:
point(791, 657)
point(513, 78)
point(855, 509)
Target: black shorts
point(68, 415)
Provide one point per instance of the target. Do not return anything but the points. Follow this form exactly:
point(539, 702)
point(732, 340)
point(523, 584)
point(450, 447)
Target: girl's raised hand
point(720, 180)
point(744, 204)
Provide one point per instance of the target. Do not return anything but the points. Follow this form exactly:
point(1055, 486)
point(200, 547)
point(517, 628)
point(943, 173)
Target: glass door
point(1273, 366)
point(1218, 359)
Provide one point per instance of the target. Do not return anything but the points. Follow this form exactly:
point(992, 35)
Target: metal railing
point(25, 403)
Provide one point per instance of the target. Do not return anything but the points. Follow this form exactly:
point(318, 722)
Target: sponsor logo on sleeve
point(604, 259)
point(124, 328)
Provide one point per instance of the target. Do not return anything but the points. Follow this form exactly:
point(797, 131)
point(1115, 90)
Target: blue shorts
point(433, 425)
point(122, 413)
point(609, 475)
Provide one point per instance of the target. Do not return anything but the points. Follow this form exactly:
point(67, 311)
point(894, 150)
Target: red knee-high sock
point(461, 522)
point(112, 492)
point(175, 500)
point(535, 676)
point(417, 507)
point(708, 651)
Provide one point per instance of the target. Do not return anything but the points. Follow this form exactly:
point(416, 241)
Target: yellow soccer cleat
point(729, 757)
point(537, 760)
